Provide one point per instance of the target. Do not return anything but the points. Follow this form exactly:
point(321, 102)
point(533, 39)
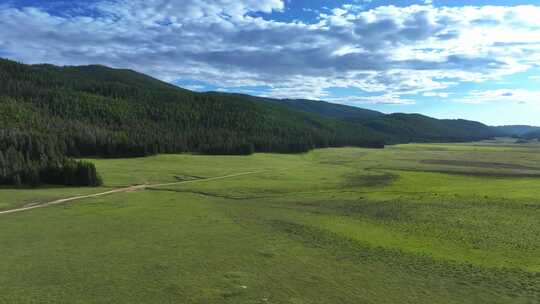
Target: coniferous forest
point(50, 115)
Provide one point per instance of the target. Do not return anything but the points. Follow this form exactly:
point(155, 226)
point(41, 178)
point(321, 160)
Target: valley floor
point(419, 223)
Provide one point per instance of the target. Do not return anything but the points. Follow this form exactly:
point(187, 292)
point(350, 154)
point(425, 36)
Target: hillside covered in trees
point(49, 114)
point(394, 128)
point(403, 128)
point(532, 135)
point(98, 111)
point(517, 130)
point(322, 108)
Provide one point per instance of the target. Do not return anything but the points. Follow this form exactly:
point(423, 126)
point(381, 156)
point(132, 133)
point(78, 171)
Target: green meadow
point(417, 223)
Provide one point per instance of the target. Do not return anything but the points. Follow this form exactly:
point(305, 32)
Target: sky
point(476, 60)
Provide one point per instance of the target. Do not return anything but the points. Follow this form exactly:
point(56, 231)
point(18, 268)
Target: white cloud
point(437, 94)
point(502, 95)
point(388, 51)
point(389, 99)
point(194, 87)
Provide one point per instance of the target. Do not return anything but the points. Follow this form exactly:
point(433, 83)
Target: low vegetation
point(417, 223)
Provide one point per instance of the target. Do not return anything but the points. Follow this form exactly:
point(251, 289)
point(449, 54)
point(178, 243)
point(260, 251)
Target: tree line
point(33, 160)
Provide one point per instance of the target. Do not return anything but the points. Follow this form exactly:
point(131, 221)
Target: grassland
point(419, 223)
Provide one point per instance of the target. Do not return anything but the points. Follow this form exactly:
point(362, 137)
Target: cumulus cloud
point(390, 51)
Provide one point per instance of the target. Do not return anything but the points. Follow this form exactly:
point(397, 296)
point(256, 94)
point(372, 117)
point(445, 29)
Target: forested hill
point(399, 128)
point(348, 113)
point(108, 112)
point(49, 112)
point(517, 130)
point(326, 109)
point(395, 128)
point(532, 135)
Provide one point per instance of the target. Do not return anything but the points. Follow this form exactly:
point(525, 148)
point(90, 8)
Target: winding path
point(120, 190)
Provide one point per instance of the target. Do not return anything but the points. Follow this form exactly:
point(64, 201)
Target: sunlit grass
point(419, 223)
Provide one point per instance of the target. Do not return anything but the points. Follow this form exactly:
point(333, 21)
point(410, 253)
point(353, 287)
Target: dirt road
point(120, 190)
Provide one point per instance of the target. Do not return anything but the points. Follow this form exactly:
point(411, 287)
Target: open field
point(419, 223)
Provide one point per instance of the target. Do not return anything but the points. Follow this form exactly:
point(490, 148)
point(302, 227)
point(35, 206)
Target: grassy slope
point(331, 226)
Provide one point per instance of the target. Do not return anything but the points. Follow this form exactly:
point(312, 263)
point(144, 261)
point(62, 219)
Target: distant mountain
point(322, 108)
point(532, 135)
point(333, 110)
point(394, 128)
point(400, 128)
point(516, 130)
point(327, 109)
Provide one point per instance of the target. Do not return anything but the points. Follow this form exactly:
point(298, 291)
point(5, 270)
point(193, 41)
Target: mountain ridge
point(363, 116)
point(516, 130)
point(395, 127)
point(324, 108)
point(50, 113)
point(124, 85)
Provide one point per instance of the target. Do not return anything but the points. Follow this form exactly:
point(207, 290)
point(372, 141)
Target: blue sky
point(477, 60)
